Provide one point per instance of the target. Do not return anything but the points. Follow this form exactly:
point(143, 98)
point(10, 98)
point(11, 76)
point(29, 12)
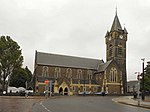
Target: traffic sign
point(46, 81)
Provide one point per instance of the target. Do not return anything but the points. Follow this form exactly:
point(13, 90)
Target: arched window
point(97, 77)
point(79, 74)
point(57, 72)
point(89, 74)
point(120, 75)
point(69, 73)
point(120, 49)
point(45, 71)
point(113, 75)
point(110, 50)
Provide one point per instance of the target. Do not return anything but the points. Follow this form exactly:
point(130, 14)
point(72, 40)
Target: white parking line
point(45, 107)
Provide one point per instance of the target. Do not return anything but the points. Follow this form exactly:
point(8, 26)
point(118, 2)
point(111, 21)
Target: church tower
point(116, 40)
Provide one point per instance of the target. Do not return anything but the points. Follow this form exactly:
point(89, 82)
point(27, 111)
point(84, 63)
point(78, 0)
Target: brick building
point(71, 75)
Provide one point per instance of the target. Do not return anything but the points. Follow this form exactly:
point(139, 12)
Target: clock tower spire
point(116, 40)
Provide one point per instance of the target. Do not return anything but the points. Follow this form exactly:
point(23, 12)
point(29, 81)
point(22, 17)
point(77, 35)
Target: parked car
point(85, 93)
point(29, 91)
point(103, 93)
point(4, 92)
point(13, 90)
point(21, 89)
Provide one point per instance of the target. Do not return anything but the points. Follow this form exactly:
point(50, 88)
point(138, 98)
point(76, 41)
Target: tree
point(147, 83)
point(0, 79)
point(147, 77)
point(19, 78)
point(147, 69)
point(10, 59)
point(29, 74)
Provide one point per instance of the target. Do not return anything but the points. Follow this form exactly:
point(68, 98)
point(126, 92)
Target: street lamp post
point(138, 87)
point(143, 89)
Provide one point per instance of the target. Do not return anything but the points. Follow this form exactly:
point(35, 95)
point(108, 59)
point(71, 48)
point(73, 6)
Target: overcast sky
point(76, 27)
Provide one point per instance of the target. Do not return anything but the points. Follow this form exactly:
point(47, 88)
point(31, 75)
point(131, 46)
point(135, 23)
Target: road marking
point(45, 107)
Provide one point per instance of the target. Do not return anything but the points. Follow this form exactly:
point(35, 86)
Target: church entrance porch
point(61, 91)
point(66, 91)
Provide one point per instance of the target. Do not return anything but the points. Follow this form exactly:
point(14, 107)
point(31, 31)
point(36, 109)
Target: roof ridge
point(71, 56)
point(104, 66)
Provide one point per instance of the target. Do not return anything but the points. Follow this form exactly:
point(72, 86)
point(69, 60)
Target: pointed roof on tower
point(107, 33)
point(116, 24)
point(125, 30)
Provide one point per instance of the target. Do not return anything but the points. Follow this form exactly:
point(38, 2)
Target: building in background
point(132, 86)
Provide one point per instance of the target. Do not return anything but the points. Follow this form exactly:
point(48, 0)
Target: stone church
point(71, 75)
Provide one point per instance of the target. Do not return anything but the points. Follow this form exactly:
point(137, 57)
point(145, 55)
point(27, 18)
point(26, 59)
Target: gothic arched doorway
point(66, 91)
point(61, 91)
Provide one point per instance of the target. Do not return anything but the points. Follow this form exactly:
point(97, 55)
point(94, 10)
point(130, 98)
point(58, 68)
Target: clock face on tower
point(121, 36)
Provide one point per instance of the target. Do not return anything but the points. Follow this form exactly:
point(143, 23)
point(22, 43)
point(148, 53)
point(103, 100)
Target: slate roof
point(116, 26)
point(103, 66)
point(67, 61)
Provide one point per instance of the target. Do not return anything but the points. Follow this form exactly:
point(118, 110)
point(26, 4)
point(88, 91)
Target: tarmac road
point(65, 104)
point(84, 104)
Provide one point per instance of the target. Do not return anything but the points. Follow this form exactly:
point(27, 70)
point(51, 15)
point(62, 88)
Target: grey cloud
point(75, 27)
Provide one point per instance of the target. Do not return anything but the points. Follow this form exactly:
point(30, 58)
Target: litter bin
point(143, 96)
point(135, 95)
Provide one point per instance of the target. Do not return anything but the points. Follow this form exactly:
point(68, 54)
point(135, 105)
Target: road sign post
point(50, 87)
point(46, 87)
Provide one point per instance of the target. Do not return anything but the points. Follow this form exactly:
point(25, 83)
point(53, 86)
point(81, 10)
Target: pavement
point(23, 97)
point(129, 100)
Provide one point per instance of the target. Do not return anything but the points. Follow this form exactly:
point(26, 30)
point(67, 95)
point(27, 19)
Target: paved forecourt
point(18, 103)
